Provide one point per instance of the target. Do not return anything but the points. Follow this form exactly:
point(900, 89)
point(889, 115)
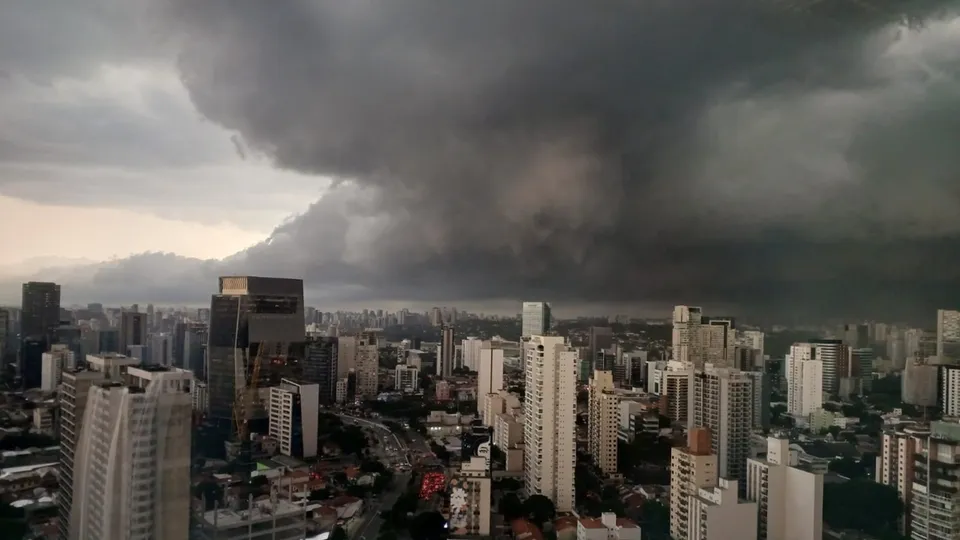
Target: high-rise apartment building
point(550, 416)
point(470, 352)
point(74, 391)
point(320, 366)
point(294, 413)
point(935, 504)
point(249, 313)
point(686, 335)
point(864, 358)
point(762, 390)
point(691, 468)
point(133, 330)
point(751, 339)
point(950, 390)
point(919, 383)
point(722, 402)
point(368, 365)
point(717, 341)
point(718, 512)
point(7, 334)
point(133, 458)
point(804, 370)
point(896, 463)
point(672, 381)
point(346, 355)
point(834, 357)
point(54, 363)
point(471, 494)
point(790, 498)
point(489, 373)
point(603, 421)
point(406, 378)
point(948, 335)
point(446, 352)
point(536, 319)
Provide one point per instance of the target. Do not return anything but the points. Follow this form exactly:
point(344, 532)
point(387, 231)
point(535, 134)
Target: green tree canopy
point(861, 505)
point(539, 509)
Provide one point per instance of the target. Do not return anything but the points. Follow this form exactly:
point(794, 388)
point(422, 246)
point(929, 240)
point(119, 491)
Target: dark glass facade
point(250, 312)
point(320, 366)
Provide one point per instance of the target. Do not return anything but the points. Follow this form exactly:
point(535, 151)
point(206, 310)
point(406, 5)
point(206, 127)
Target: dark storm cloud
point(775, 155)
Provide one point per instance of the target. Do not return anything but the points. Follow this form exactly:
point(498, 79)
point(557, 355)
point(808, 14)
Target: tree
point(539, 509)
point(655, 521)
point(338, 534)
point(320, 494)
point(861, 505)
point(428, 526)
point(510, 507)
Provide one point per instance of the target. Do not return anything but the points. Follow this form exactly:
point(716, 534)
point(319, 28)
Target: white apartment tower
point(604, 422)
point(294, 413)
point(691, 468)
point(550, 416)
point(948, 335)
point(53, 364)
point(686, 334)
point(935, 505)
point(804, 372)
point(717, 512)
point(950, 390)
point(470, 352)
point(790, 498)
point(368, 365)
point(536, 319)
point(721, 400)
point(134, 458)
point(717, 342)
point(895, 463)
point(489, 367)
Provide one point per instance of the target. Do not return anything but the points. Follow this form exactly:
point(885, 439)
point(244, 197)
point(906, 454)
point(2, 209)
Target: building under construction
point(255, 322)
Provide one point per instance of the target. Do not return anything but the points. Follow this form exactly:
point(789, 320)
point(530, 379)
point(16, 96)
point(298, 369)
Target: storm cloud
point(787, 157)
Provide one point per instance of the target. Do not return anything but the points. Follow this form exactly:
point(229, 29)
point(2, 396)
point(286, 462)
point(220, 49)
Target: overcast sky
point(770, 158)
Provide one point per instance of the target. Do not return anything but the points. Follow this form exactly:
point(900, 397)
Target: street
point(369, 528)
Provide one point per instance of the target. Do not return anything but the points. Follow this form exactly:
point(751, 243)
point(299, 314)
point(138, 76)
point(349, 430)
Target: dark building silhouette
point(108, 340)
point(601, 337)
point(320, 366)
point(133, 330)
point(448, 351)
point(249, 312)
point(39, 320)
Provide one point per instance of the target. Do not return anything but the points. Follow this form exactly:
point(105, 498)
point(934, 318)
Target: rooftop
point(261, 511)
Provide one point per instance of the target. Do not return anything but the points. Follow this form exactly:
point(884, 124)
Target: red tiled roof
point(524, 530)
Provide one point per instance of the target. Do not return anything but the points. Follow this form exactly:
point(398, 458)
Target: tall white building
point(603, 422)
point(52, 366)
point(133, 460)
point(470, 352)
point(948, 335)
point(294, 413)
point(896, 463)
point(935, 506)
point(536, 319)
point(717, 512)
point(950, 390)
point(722, 402)
point(346, 355)
point(406, 378)
point(489, 373)
point(686, 334)
point(368, 365)
point(804, 379)
point(550, 417)
point(717, 342)
point(691, 468)
point(790, 498)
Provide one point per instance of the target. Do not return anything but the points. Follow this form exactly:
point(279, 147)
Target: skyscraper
point(603, 421)
point(39, 320)
point(550, 414)
point(320, 367)
point(133, 330)
point(790, 498)
point(41, 310)
point(470, 350)
point(601, 338)
point(133, 460)
point(722, 402)
point(446, 352)
point(76, 385)
point(686, 335)
point(948, 335)
point(247, 313)
point(804, 379)
point(489, 373)
point(536, 319)
point(368, 365)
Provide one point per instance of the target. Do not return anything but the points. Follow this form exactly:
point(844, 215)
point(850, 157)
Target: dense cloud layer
point(781, 157)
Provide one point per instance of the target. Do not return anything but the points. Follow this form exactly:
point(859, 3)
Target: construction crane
point(246, 393)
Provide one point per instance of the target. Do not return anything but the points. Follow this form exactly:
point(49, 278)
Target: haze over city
point(779, 159)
